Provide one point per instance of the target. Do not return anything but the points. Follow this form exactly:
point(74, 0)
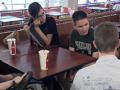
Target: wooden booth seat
point(64, 28)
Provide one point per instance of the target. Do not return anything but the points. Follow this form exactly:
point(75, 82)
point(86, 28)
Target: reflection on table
point(98, 9)
point(8, 19)
point(56, 14)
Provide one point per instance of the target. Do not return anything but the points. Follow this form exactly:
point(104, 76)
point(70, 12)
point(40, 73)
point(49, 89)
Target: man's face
point(82, 26)
point(42, 16)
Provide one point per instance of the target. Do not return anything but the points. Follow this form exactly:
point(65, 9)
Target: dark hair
point(106, 37)
point(78, 15)
point(34, 9)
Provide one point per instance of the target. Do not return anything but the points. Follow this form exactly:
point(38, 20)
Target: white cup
point(43, 59)
point(10, 40)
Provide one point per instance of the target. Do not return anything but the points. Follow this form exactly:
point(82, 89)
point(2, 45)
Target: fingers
point(18, 79)
point(26, 27)
point(23, 75)
point(37, 22)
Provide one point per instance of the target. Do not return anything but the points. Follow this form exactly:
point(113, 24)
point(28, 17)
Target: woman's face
point(42, 16)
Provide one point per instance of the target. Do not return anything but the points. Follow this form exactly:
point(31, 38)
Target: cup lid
point(43, 51)
point(9, 39)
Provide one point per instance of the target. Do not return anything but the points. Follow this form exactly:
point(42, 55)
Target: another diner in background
point(3, 6)
point(108, 4)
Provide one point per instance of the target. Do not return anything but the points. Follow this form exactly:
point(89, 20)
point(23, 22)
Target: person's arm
point(6, 77)
point(52, 29)
point(7, 84)
point(71, 49)
point(95, 54)
point(46, 38)
point(26, 27)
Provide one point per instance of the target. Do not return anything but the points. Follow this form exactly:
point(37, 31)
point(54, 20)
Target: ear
point(118, 44)
point(94, 44)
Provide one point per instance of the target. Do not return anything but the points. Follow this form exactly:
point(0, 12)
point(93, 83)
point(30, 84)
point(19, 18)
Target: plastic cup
point(43, 59)
point(9, 41)
point(12, 48)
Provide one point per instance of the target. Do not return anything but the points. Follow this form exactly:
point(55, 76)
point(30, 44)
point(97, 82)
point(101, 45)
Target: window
point(82, 1)
point(19, 4)
point(54, 3)
point(92, 1)
point(30, 1)
point(101, 0)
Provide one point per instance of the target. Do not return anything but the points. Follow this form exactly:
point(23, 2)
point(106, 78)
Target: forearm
point(71, 49)
point(6, 85)
point(46, 39)
point(95, 54)
point(6, 77)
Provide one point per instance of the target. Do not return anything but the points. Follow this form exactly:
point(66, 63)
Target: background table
point(98, 9)
point(9, 19)
point(56, 14)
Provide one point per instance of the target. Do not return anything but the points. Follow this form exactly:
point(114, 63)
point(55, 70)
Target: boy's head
point(81, 23)
point(106, 37)
point(37, 12)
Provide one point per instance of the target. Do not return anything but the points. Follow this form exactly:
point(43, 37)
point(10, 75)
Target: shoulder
point(49, 18)
point(74, 32)
point(87, 70)
point(81, 75)
point(91, 33)
point(91, 30)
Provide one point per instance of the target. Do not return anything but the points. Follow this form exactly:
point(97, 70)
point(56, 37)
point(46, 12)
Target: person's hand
point(26, 27)
point(37, 22)
point(18, 79)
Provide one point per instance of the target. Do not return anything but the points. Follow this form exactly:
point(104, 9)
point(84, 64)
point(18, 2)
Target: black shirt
point(49, 27)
